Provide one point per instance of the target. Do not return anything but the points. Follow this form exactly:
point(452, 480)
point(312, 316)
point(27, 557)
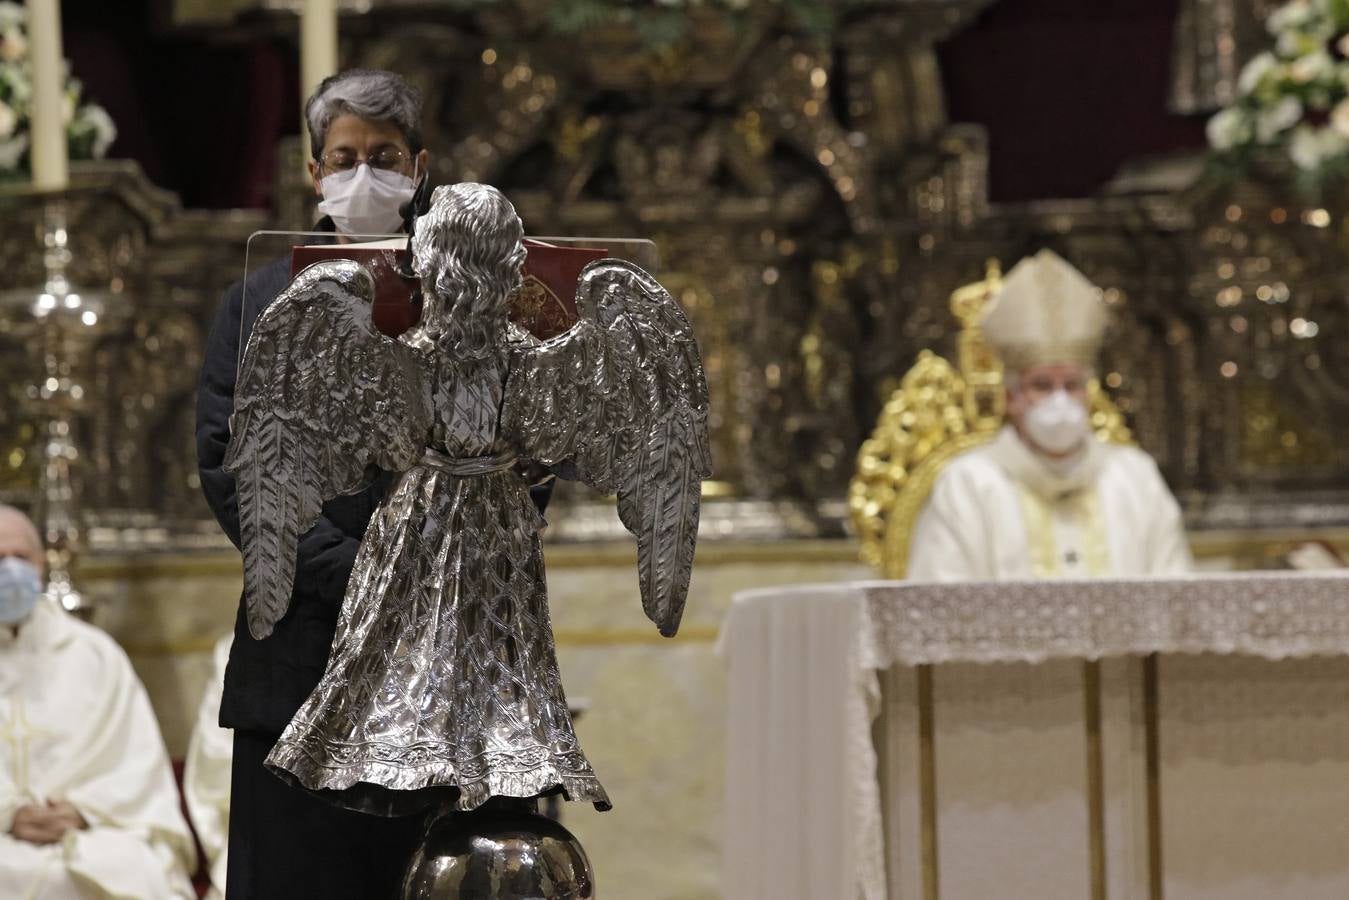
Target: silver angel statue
point(442, 686)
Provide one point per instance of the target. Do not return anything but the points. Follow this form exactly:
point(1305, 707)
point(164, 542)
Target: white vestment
point(76, 726)
point(206, 773)
point(1000, 511)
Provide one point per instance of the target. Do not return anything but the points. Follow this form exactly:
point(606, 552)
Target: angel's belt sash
point(468, 466)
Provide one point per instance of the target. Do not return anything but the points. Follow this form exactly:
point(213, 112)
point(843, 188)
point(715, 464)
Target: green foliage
point(575, 16)
point(812, 16)
point(663, 23)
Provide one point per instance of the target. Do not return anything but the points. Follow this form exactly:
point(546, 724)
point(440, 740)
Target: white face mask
point(20, 589)
point(363, 200)
point(1057, 424)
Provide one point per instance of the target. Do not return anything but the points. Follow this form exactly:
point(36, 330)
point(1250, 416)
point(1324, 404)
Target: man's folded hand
point(46, 823)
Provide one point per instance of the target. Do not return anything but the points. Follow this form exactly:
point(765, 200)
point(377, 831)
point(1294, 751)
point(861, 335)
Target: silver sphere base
point(504, 850)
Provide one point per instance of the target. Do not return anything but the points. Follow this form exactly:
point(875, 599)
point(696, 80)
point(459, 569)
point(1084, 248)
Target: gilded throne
point(938, 412)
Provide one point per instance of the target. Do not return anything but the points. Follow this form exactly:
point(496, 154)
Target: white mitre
point(1045, 313)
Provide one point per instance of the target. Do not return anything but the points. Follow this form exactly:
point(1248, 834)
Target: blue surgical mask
point(20, 588)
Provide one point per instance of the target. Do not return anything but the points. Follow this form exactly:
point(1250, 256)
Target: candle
point(318, 44)
point(48, 148)
point(318, 52)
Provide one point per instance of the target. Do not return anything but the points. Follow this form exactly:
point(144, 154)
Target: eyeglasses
point(346, 160)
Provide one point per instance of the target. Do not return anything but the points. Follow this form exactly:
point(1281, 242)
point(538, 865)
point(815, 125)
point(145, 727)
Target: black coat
point(267, 680)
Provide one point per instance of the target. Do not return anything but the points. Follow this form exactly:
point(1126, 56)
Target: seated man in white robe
point(206, 773)
point(88, 807)
point(1045, 498)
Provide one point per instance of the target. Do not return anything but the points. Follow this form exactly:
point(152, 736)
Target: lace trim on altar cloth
point(401, 780)
point(864, 701)
point(1274, 615)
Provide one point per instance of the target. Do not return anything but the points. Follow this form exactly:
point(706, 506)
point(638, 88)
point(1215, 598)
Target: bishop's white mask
point(1058, 423)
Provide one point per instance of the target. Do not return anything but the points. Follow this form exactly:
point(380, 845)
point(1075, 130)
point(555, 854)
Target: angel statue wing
point(620, 401)
point(321, 396)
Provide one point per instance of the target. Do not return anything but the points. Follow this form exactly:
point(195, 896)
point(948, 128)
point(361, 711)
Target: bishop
point(1045, 498)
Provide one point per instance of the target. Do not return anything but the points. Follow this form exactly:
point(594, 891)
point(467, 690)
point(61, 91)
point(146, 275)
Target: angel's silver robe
point(442, 685)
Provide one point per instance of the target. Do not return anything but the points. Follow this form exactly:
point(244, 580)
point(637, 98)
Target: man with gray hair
point(366, 147)
point(284, 843)
point(87, 802)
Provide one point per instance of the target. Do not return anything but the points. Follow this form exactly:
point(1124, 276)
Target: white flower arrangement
point(1295, 97)
point(89, 128)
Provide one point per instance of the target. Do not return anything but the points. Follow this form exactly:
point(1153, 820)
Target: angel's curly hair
point(468, 252)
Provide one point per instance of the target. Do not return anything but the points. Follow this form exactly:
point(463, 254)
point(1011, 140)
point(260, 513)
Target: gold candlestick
point(63, 323)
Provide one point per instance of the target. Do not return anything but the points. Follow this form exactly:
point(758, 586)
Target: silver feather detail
point(443, 672)
point(321, 397)
point(621, 400)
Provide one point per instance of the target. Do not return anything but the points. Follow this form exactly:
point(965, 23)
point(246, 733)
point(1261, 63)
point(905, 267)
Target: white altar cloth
point(803, 808)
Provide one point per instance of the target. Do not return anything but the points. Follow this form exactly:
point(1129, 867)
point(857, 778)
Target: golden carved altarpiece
point(814, 209)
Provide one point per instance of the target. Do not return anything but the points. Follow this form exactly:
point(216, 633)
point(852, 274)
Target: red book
point(545, 305)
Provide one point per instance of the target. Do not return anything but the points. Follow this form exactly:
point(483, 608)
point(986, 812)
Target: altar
point(1125, 738)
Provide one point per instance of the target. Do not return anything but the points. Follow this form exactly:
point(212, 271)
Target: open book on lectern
point(545, 304)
